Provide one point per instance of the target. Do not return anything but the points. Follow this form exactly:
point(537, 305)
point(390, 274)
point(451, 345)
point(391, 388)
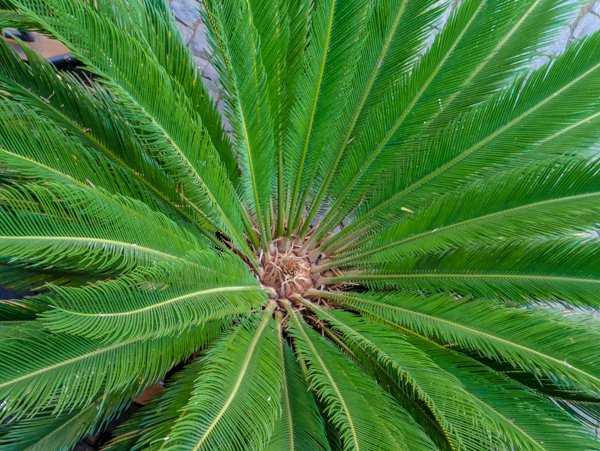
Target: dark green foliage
point(396, 248)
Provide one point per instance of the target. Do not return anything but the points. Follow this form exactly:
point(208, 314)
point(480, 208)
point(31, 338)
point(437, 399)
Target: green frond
point(32, 148)
point(12, 19)
point(40, 370)
point(365, 415)
point(304, 106)
point(540, 199)
point(464, 421)
point(390, 114)
point(68, 227)
point(507, 40)
point(59, 432)
point(242, 375)
point(401, 27)
point(536, 339)
point(301, 425)
point(535, 416)
point(156, 302)
point(501, 132)
point(150, 426)
point(337, 41)
point(236, 26)
point(294, 35)
point(175, 138)
point(86, 123)
point(155, 21)
point(395, 247)
point(544, 270)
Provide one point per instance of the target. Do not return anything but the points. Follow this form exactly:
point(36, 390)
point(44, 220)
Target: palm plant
point(396, 248)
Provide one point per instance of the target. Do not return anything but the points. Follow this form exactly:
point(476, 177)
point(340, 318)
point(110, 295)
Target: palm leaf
point(94, 126)
point(152, 304)
point(40, 370)
point(404, 26)
point(216, 414)
point(69, 227)
point(483, 139)
point(452, 404)
point(378, 423)
point(391, 113)
point(504, 48)
point(250, 108)
point(537, 417)
point(544, 270)
point(336, 43)
point(300, 426)
point(542, 199)
point(183, 151)
point(556, 348)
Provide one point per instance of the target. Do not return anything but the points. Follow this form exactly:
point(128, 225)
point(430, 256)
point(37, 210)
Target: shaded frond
point(68, 227)
point(157, 302)
point(536, 416)
point(175, 138)
point(544, 270)
point(39, 370)
point(541, 199)
point(21, 309)
point(150, 426)
point(61, 432)
point(501, 132)
point(459, 412)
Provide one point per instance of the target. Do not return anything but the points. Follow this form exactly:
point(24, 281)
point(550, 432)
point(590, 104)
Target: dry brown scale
point(285, 273)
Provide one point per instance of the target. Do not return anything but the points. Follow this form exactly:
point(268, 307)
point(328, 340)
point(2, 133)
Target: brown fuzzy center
point(286, 271)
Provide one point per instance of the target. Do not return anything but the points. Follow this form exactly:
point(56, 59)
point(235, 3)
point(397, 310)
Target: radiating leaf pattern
point(396, 247)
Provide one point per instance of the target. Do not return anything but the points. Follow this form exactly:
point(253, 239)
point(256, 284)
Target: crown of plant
point(396, 247)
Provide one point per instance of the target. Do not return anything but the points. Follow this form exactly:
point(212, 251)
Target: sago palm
point(395, 248)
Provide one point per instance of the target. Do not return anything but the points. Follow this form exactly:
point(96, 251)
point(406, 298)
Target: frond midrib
point(390, 134)
point(99, 241)
point(330, 378)
point(67, 362)
point(420, 235)
point(423, 274)
point(239, 379)
point(313, 111)
point(475, 331)
point(205, 292)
